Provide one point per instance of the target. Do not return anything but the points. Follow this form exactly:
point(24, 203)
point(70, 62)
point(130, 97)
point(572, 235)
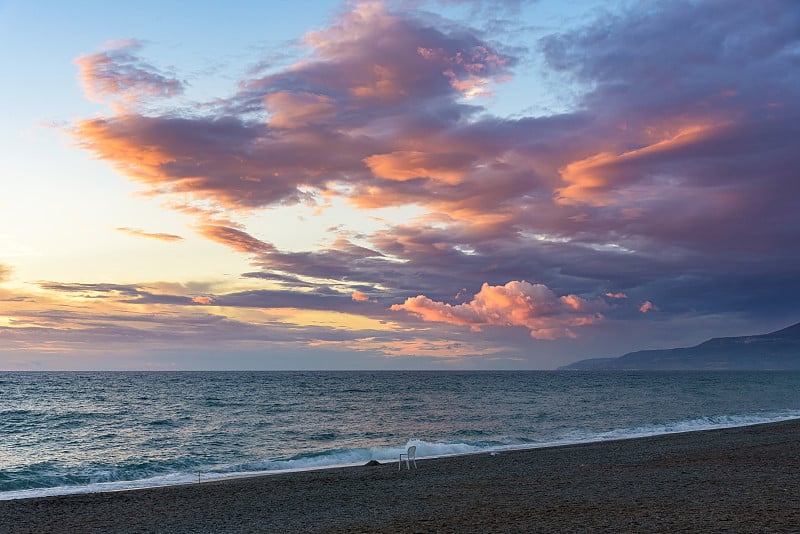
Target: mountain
point(778, 350)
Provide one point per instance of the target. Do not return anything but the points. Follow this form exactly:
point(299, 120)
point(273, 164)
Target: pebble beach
point(744, 479)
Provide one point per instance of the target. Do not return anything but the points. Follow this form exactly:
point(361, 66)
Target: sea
point(77, 432)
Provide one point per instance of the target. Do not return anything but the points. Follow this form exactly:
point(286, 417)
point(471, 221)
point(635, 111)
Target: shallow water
point(72, 432)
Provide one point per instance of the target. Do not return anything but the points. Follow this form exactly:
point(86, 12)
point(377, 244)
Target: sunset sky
point(414, 184)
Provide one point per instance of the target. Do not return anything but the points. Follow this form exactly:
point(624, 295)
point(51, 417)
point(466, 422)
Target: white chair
point(411, 455)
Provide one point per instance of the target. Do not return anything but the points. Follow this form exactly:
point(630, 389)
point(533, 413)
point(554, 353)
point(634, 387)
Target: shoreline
point(207, 477)
point(736, 479)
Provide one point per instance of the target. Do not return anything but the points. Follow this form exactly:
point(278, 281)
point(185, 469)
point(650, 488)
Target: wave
point(181, 471)
point(700, 423)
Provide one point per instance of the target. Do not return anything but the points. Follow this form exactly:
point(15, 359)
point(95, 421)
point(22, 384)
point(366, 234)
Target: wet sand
point(733, 480)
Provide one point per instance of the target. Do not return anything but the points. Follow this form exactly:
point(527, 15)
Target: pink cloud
point(224, 161)
point(299, 109)
point(235, 239)
point(647, 307)
point(600, 179)
point(469, 71)
point(518, 303)
point(616, 295)
point(685, 165)
point(150, 235)
point(362, 105)
point(405, 165)
point(118, 73)
point(358, 296)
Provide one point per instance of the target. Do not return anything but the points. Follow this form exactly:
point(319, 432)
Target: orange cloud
point(518, 303)
point(230, 163)
point(294, 110)
point(121, 146)
point(149, 235)
point(118, 74)
point(616, 295)
point(236, 239)
point(593, 180)
point(358, 296)
point(469, 71)
point(385, 84)
point(406, 165)
point(376, 86)
point(647, 307)
point(204, 300)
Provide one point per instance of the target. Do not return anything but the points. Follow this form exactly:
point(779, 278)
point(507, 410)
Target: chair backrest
point(412, 452)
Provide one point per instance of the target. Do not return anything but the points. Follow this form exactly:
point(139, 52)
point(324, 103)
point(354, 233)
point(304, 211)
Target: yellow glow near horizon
point(302, 318)
point(413, 347)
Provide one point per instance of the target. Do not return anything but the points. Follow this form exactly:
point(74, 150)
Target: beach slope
point(736, 480)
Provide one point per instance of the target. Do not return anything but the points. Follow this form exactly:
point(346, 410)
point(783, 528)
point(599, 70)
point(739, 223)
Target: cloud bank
point(672, 180)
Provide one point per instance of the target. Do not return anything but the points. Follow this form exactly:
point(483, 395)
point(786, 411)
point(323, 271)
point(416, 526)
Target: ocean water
point(96, 431)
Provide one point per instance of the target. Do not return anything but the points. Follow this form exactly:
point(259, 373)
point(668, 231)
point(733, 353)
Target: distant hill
point(776, 351)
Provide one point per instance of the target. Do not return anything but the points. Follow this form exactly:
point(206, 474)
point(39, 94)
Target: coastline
point(733, 479)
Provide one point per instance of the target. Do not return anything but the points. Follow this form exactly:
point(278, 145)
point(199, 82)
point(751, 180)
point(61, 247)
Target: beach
point(744, 479)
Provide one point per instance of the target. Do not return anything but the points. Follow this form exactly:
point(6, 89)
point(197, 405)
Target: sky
point(399, 184)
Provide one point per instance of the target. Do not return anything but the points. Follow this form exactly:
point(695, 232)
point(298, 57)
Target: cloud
point(204, 158)
point(150, 235)
point(407, 58)
point(299, 109)
point(280, 279)
point(93, 290)
point(533, 306)
point(691, 129)
point(406, 165)
point(376, 84)
point(468, 70)
point(5, 273)
point(592, 179)
point(72, 318)
point(235, 239)
point(358, 296)
point(647, 307)
point(671, 180)
point(118, 74)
